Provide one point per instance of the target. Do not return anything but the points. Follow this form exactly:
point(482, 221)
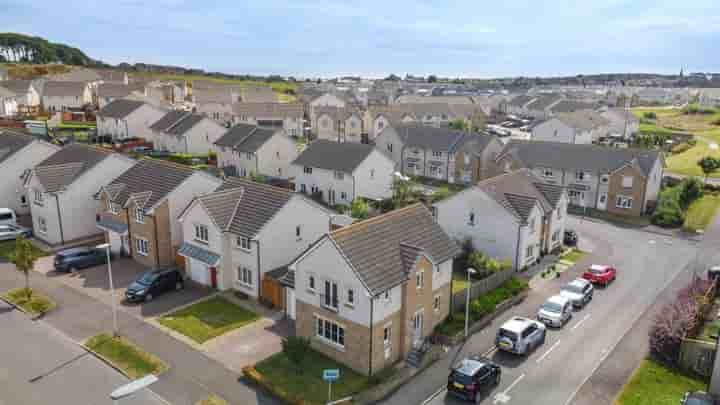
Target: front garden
point(654, 383)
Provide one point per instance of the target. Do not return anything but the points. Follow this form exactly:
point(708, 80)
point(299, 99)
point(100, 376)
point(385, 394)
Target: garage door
point(199, 272)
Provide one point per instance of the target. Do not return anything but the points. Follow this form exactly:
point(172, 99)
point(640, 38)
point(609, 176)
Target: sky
point(311, 38)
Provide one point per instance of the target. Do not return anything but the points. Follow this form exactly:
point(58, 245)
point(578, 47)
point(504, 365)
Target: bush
point(680, 148)
point(296, 349)
point(669, 212)
point(716, 121)
point(651, 115)
point(359, 209)
point(690, 190)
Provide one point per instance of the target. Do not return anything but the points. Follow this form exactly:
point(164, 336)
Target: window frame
point(202, 233)
point(142, 246)
point(436, 303)
point(139, 214)
point(245, 276)
point(624, 202)
point(307, 169)
point(240, 241)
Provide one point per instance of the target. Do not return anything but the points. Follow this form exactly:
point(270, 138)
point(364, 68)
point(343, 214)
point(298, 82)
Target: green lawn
point(208, 319)
point(36, 305)
point(701, 212)
point(122, 353)
point(655, 384)
point(279, 371)
point(7, 250)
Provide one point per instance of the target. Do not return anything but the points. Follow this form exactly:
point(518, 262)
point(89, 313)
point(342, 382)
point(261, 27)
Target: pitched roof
point(117, 89)
point(519, 191)
point(17, 86)
point(416, 99)
point(245, 138)
point(119, 108)
point(584, 119)
point(268, 110)
point(7, 93)
point(220, 95)
point(64, 166)
point(77, 75)
point(11, 142)
point(572, 156)
point(382, 248)
point(343, 157)
point(149, 181)
point(110, 75)
point(570, 106)
point(544, 101)
point(257, 94)
point(63, 89)
point(520, 101)
point(437, 139)
point(177, 122)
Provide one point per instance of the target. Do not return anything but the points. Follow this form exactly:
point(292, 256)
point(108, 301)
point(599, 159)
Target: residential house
point(286, 116)
point(541, 107)
point(19, 153)
point(111, 76)
point(124, 118)
point(245, 150)
point(338, 124)
point(475, 158)
point(139, 209)
point(235, 236)
point(653, 96)
point(63, 96)
point(622, 122)
point(582, 127)
point(257, 94)
point(419, 150)
point(79, 75)
point(185, 132)
point(370, 293)
point(569, 106)
point(517, 105)
point(216, 102)
point(709, 97)
point(8, 103)
point(341, 172)
point(108, 92)
point(428, 114)
point(418, 99)
point(28, 96)
point(514, 217)
point(620, 181)
point(62, 191)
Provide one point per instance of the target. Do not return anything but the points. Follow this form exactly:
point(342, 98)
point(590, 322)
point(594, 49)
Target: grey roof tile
point(119, 108)
point(520, 191)
point(437, 139)
point(245, 138)
point(62, 168)
point(344, 157)
point(63, 89)
point(11, 142)
point(198, 253)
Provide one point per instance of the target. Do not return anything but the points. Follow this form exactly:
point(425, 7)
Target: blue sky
point(374, 38)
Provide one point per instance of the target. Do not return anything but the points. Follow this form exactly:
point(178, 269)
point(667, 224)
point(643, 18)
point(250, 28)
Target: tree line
point(19, 48)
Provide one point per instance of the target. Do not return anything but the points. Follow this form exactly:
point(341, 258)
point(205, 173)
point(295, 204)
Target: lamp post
point(106, 246)
point(699, 233)
point(470, 271)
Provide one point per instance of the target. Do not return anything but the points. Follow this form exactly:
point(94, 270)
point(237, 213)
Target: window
point(298, 232)
point(387, 335)
point(330, 331)
point(330, 298)
point(603, 198)
point(372, 173)
point(38, 197)
point(627, 181)
point(428, 118)
point(555, 235)
point(435, 169)
point(243, 243)
point(243, 172)
point(604, 179)
point(380, 125)
point(23, 200)
point(343, 195)
point(436, 303)
point(548, 173)
point(581, 176)
point(277, 155)
point(42, 225)
point(532, 225)
point(387, 296)
point(311, 283)
point(419, 279)
point(471, 219)
point(201, 233)
point(245, 276)
point(389, 147)
point(445, 117)
point(324, 123)
point(624, 202)
point(466, 158)
point(351, 297)
point(507, 167)
point(112, 207)
point(339, 175)
point(139, 216)
point(307, 170)
point(437, 154)
point(555, 132)
point(249, 156)
point(529, 252)
point(142, 247)
point(303, 188)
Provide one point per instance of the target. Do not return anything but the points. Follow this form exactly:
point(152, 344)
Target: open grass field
point(655, 384)
point(279, 87)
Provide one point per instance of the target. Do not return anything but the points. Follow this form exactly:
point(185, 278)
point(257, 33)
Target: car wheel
point(179, 286)
point(476, 399)
point(542, 339)
point(148, 297)
point(497, 379)
point(72, 269)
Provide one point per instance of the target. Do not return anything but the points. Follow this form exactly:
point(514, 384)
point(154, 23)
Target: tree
point(651, 115)
point(296, 349)
point(359, 209)
point(459, 124)
point(709, 165)
point(393, 78)
point(432, 79)
point(403, 191)
point(690, 190)
point(24, 261)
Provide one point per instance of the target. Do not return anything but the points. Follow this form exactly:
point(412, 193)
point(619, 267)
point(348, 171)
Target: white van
point(7, 217)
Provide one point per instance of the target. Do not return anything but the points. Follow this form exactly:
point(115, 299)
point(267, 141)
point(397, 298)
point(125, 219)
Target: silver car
point(520, 335)
point(556, 311)
point(578, 291)
point(11, 232)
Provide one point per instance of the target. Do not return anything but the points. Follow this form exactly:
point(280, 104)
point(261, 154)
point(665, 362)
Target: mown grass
point(655, 384)
point(7, 250)
point(124, 355)
point(36, 305)
point(701, 212)
point(208, 319)
point(212, 400)
point(277, 86)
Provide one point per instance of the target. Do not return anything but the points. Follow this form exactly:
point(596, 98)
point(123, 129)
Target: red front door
point(213, 277)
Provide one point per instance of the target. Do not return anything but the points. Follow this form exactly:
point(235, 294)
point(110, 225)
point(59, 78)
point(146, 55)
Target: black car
point(153, 283)
point(79, 258)
point(472, 377)
point(570, 238)
point(698, 398)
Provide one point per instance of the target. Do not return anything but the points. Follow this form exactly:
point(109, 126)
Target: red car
point(600, 274)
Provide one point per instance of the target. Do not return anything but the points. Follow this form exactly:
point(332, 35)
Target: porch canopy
point(197, 253)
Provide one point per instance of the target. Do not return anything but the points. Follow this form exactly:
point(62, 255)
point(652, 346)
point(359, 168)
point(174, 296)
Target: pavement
point(38, 365)
point(556, 371)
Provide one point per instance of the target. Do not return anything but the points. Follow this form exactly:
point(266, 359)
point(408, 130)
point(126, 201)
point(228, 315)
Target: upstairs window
point(627, 181)
point(390, 147)
point(339, 175)
point(471, 219)
point(139, 216)
point(548, 173)
point(307, 170)
point(201, 233)
point(437, 154)
point(243, 243)
point(38, 197)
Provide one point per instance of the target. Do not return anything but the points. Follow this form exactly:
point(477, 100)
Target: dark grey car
point(79, 258)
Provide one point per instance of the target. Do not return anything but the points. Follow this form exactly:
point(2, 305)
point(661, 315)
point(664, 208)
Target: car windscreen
point(552, 307)
point(147, 278)
point(504, 333)
point(597, 271)
point(461, 378)
point(5, 216)
point(573, 288)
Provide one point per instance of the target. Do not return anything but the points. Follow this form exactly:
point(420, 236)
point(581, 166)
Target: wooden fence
point(480, 287)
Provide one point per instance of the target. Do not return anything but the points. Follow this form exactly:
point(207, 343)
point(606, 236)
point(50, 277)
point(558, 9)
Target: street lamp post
point(106, 246)
point(699, 233)
point(470, 271)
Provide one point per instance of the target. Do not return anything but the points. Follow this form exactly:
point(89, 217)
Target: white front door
point(417, 329)
point(602, 201)
point(199, 272)
point(290, 303)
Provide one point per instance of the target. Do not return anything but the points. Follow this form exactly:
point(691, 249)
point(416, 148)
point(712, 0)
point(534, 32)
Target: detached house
point(584, 127)
point(285, 116)
point(216, 102)
point(621, 181)
point(235, 236)
point(19, 153)
point(108, 92)
point(8, 103)
point(63, 96)
point(123, 119)
point(514, 216)
point(427, 114)
point(184, 132)
point(369, 294)
point(27, 94)
point(62, 191)
point(246, 149)
point(139, 209)
point(341, 172)
point(338, 124)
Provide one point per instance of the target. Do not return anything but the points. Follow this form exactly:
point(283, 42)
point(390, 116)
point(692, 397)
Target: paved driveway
point(94, 281)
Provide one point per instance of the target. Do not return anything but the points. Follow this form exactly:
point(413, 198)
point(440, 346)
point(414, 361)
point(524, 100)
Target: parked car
point(600, 274)
point(713, 273)
point(79, 258)
point(556, 311)
point(11, 232)
point(570, 238)
point(578, 291)
point(7, 217)
point(473, 376)
point(153, 283)
point(698, 398)
point(520, 335)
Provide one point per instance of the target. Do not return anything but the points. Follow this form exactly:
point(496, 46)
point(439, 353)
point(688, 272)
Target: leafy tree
point(403, 192)
point(359, 209)
point(479, 121)
point(669, 212)
point(690, 190)
point(24, 261)
point(393, 78)
point(709, 165)
point(296, 349)
point(651, 115)
point(432, 79)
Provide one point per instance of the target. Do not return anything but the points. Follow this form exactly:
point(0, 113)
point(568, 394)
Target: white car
point(578, 291)
point(11, 232)
point(7, 217)
point(556, 311)
point(520, 335)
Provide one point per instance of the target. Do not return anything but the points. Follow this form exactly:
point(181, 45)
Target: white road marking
point(580, 322)
point(503, 397)
point(434, 394)
point(548, 352)
point(490, 352)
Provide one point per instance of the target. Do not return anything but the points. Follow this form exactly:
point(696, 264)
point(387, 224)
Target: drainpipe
point(57, 205)
point(370, 357)
point(517, 248)
point(257, 165)
point(157, 242)
point(354, 191)
point(130, 244)
point(597, 193)
point(257, 242)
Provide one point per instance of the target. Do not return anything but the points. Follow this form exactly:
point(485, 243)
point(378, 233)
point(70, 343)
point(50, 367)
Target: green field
point(655, 384)
point(277, 86)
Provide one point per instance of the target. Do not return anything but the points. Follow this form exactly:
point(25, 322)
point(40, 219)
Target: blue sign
point(331, 374)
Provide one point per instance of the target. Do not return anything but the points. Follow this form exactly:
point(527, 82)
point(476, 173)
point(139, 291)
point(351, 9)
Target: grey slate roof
point(77, 75)
point(284, 275)
point(185, 124)
point(219, 95)
point(172, 117)
point(520, 101)
point(245, 138)
point(329, 155)
point(544, 101)
point(570, 106)
point(63, 89)
point(117, 90)
point(119, 108)
point(268, 110)
point(428, 137)
point(583, 120)
point(198, 253)
point(17, 86)
point(148, 182)
point(62, 168)
point(11, 142)
point(258, 94)
point(380, 249)
point(177, 122)
point(569, 156)
point(520, 191)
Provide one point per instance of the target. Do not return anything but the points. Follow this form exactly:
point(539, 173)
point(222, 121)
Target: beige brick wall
point(160, 250)
point(615, 188)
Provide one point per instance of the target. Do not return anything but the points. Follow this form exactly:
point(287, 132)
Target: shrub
point(651, 115)
point(296, 349)
point(359, 209)
point(690, 190)
point(669, 212)
point(716, 121)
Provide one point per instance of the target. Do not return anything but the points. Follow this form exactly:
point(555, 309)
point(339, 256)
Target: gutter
point(57, 205)
point(370, 353)
point(354, 191)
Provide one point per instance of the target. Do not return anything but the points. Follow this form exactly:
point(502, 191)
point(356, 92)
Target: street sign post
point(330, 375)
